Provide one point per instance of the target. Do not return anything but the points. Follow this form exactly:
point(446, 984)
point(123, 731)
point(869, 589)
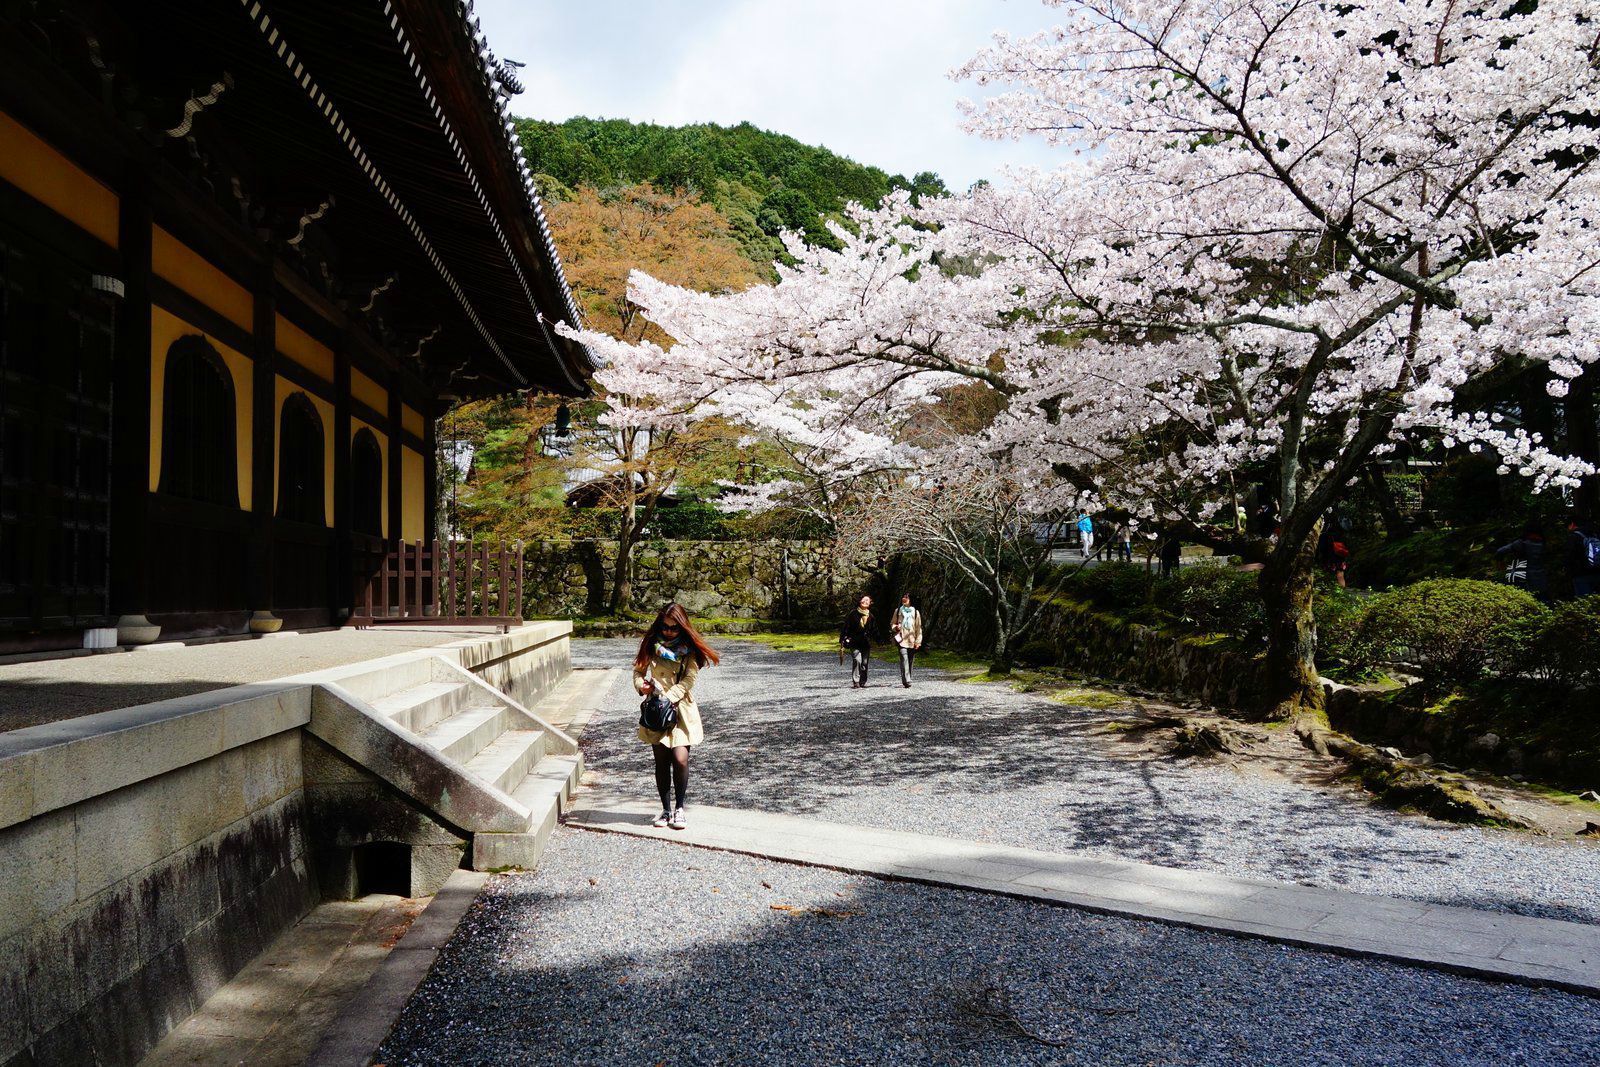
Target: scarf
point(672, 653)
point(907, 613)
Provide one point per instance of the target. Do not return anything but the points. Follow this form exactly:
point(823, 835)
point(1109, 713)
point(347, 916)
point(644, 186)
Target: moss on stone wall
point(768, 580)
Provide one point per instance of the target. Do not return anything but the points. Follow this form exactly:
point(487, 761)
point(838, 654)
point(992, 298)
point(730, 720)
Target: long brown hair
point(674, 613)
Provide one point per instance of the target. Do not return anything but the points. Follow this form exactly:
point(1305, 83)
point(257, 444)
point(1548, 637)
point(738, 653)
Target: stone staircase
point(475, 759)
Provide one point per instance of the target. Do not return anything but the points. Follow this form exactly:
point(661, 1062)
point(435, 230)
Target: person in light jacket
point(855, 636)
point(670, 656)
point(906, 628)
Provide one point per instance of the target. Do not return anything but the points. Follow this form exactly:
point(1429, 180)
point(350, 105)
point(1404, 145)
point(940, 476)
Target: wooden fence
point(443, 583)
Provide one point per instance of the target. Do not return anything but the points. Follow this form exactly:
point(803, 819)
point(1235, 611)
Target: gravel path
point(625, 951)
point(784, 732)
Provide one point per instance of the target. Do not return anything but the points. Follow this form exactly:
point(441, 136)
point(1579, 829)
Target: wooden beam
point(342, 564)
point(430, 473)
point(396, 469)
point(130, 414)
point(263, 440)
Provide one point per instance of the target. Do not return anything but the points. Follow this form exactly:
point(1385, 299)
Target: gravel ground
point(40, 691)
point(627, 951)
point(785, 732)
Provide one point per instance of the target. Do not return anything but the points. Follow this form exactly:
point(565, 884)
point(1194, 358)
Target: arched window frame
point(302, 440)
point(199, 446)
point(366, 483)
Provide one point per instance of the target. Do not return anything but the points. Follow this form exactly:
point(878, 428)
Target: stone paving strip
point(273, 1012)
point(1565, 955)
point(365, 1020)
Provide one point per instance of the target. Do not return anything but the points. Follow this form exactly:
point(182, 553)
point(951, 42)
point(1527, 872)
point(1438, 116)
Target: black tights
point(672, 774)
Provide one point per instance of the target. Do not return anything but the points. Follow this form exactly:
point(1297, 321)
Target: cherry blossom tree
point(1289, 235)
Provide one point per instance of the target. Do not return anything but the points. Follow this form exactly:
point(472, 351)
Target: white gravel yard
point(785, 732)
point(626, 951)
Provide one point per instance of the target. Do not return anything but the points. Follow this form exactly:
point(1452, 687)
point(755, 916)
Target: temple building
point(249, 251)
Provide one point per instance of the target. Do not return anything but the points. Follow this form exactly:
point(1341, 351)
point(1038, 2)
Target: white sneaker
point(678, 821)
point(661, 820)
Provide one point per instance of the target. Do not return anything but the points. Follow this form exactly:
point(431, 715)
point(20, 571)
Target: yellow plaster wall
point(51, 178)
point(413, 510)
point(304, 349)
point(166, 328)
point(411, 420)
point(369, 392)
point(195, 275)
point(383, 448)
point(325, 412)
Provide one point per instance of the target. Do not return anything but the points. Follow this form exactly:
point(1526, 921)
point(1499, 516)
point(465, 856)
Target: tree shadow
point(785, 733)
point(740, 961)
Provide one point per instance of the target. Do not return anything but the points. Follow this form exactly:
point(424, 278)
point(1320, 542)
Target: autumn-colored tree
point(604, 236)
point(515, 488)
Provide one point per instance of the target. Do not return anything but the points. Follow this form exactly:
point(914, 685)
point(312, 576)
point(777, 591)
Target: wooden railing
point(441, 582)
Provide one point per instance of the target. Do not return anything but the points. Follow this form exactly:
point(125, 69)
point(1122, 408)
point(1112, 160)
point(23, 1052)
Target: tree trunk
point(1395, 524)
point(1000, 657)
point(622, 570)
point(1290, 687)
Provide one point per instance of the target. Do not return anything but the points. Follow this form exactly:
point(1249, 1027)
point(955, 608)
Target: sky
point(867, 79)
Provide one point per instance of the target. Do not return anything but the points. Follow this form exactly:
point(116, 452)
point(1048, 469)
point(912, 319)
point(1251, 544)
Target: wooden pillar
point(430, 473)
point(396, 443)
point(341, 564)
point(263, 449)
point(131, 560)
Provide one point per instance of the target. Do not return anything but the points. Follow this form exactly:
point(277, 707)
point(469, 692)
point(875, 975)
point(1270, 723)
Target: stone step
point(468, 732)
point(508, 759)
point(546, 791)
point(423, 706)
point(554, 778)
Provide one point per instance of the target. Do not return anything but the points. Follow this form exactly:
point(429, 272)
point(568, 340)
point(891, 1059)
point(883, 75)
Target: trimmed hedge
point(1448, 627)
point(1219, 600)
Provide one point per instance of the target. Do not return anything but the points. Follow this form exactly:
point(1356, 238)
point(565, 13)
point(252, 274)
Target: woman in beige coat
point(906, 628)
point(671, 654)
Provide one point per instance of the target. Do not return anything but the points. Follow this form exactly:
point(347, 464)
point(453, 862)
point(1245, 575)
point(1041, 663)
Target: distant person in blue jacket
point(1583, 558)
point(1086, 533)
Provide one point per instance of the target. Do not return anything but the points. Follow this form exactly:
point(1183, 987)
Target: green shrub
point(1216, 599)
point(1445, 626)
point(1562, 646)
point(1574, 642)
point(1338, 613)
point(1037, 653)
point(690, 520)
point(1111, 585)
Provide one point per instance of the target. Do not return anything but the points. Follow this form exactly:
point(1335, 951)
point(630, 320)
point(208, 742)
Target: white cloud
point(867, 79)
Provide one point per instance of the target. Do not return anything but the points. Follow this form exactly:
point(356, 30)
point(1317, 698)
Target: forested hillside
point(698, 206)
point(761, 182)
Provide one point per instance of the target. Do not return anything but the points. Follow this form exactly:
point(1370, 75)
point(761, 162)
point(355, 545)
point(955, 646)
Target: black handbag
point(656, 713)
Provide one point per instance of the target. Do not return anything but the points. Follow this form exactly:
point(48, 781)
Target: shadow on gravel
point(786, 733)
point(733, 961)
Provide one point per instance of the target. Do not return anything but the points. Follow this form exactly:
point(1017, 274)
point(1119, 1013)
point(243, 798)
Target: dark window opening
point(382, 867)
point(366, 483)
point(300, 462)
point(198, 447)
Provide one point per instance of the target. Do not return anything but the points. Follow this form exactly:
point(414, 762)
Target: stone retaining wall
point(728, 579)
point(148, 853)
point(1095, 643)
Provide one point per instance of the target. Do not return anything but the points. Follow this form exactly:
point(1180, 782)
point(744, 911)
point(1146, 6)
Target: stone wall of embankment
point(772, 580)
point(148, 853)
point(1465, 734)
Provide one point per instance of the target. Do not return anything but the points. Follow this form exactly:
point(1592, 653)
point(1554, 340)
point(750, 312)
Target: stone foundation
point(148, 853)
